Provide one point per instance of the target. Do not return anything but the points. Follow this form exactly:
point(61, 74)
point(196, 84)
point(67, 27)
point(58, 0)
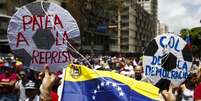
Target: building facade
point(93, 22)
point(7, 8)
point(128, 27)
point(158, 28)
point(135, 28)
point(163, 28)
point(151, 6)
point(146, 28)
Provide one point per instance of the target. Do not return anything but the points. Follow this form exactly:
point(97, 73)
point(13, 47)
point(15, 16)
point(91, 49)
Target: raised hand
point(168, 95)
point(47, 84)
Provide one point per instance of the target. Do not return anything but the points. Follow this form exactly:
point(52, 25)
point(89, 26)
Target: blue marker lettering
point(176, 46)
point(171, 42)
point(161, 41)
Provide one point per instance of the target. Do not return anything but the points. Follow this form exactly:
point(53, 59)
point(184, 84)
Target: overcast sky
point(179, 14)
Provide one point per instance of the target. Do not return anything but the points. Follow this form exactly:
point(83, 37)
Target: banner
point(167, 57)
point(38, 33)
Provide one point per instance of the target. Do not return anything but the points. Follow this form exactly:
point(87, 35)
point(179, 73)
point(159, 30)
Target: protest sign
point(38, 33)
point(167, 56)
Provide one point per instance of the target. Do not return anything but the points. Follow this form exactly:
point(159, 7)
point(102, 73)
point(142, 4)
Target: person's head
point(128, 62)
point(31, 89)
point(191, 80)
point(122, 64)
point(138, 69)
point(7, 69)
point(138, 72)
point(23, 75)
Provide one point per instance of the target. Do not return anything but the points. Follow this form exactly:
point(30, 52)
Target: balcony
point(124, 43)
point(3, 40)
point(124, 36)
point(114, 48)
point(114, 37)
point(124, 13)
point(124, 20)
point(124, 28)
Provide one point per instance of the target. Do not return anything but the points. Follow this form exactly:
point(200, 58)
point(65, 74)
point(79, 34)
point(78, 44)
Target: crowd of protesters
point(19, 83)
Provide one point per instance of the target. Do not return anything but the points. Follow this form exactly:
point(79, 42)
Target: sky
point(178, 14)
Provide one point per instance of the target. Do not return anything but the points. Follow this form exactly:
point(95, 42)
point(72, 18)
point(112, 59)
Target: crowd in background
point(19, 83)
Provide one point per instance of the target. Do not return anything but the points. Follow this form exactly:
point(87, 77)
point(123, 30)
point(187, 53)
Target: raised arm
point(46, 85)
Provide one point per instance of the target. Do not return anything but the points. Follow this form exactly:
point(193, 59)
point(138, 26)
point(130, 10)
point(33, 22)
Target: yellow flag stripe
point(142, 88)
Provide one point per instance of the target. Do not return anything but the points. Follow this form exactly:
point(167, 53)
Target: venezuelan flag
point(188, 40)
point(91, 85)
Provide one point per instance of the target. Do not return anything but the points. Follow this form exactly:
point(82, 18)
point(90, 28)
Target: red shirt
point(54, 96)
point(3, 78)
point(197, 92)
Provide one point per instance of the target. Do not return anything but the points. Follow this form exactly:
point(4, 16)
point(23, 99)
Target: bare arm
point(17, 86)
point(168, 95)
point(46, 85)
point(11, 83)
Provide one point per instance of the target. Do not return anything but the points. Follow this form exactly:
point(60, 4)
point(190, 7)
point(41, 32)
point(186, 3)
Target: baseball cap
point(7, 65)
point(30, 85)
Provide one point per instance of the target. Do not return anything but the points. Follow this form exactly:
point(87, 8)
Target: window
point(1, 5)
point(86, 38)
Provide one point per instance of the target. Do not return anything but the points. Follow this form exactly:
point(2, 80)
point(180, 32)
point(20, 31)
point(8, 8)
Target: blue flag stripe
point(100, 90)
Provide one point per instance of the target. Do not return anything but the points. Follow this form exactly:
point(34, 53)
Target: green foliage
point(195, 34)
point(184, 32)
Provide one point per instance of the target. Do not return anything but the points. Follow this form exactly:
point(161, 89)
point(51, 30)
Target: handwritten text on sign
point(51, 22)
point(153, 68)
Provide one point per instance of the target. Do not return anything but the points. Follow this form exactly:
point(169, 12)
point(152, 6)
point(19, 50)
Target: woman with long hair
point(186, 89)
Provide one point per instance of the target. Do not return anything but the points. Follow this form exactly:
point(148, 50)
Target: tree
point(195, 33)
point(196, 36)
point(184, 32)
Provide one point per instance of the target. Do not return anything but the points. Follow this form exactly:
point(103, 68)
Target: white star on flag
point(102, 84)
point(93, 97)
point(95, 91)
point(107, 83)
point(98, 87)
point(121, 93)
point(114, 84)
point(118, 88)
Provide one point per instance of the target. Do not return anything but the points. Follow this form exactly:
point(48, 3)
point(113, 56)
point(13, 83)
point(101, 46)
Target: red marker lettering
point(21, 38)
point(26, 20)
point(35, 54)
